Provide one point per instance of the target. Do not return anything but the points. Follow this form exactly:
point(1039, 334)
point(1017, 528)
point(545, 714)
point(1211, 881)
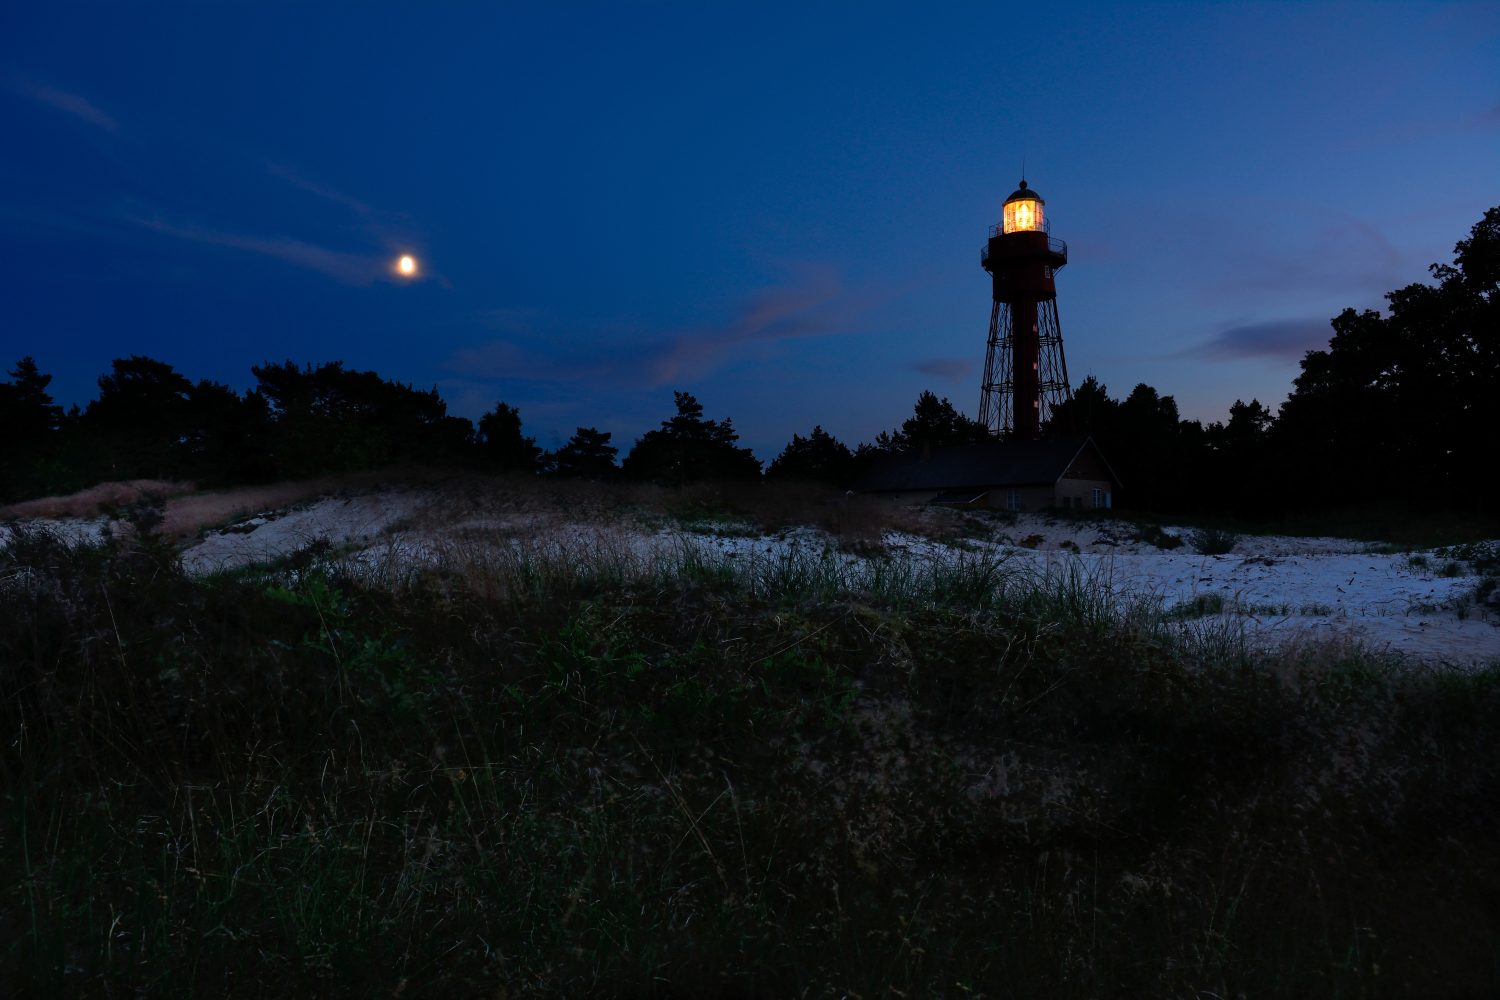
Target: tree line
point(1398, 408)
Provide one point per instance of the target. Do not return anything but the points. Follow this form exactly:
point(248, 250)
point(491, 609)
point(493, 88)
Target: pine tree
point(502, 446)
point(819, 457)
point(587, 453)
point(29, 428)
point(934, 423)
point(688, 447)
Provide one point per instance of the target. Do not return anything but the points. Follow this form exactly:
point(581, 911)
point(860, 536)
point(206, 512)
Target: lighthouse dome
point(1024, 193)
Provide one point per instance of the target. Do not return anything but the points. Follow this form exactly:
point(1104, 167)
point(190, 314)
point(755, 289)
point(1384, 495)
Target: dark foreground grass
point(567, 784)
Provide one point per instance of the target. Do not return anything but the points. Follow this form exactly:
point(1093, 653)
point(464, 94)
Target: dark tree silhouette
point(587, 453)
point(30, 424)
point(137, 424)
point(1090, 411)
point(502, 446)
point(819, 457)
point(28, 408)
point(1147, 427)
point(934, 423)
point(227, 436)
point(1249, 425)
point(332, 419)
point(1405, 404)
point(1231, 465)
point(688, 447)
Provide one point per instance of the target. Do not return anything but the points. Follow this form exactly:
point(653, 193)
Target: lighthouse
point(1025, 381)
point(1025, 375)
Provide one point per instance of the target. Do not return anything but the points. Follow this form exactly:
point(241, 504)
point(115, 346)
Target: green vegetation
point(572, 773)
point(1213, 541)
point(1154, 535)
point(1201, 606)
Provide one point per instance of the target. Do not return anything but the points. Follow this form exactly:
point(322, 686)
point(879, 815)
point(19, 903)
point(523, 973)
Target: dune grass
point(552, 771)
point(98, 499)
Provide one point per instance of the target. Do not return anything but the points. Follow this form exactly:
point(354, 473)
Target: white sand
point(1279, 588)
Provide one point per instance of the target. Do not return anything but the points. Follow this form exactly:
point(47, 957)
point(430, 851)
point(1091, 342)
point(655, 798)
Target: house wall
point(1086, 473)
point(1080, 492)
point(1031, 497)
point(1087, 465)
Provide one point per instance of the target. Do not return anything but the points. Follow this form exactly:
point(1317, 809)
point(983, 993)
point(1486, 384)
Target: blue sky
point(776, 207)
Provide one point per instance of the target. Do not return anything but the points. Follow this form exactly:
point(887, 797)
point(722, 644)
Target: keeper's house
point(1014, 475)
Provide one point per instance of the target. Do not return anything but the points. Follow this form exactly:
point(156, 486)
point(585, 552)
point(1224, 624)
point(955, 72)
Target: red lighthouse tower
point(1025, 375)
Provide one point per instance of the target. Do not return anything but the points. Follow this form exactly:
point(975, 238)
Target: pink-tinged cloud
point(814, 304)
point(61, 100)
point(949, 368)
point(350, 268)
point(1281, 340)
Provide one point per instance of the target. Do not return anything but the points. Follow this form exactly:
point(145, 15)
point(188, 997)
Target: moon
point(407, 265)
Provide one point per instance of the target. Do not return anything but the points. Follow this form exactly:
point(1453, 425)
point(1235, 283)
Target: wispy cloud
point(351, 268)
point(319, 190)
point(1281, 340)
point(813, 304)
point(78, 106)
point(950, 368)
point(392, 231)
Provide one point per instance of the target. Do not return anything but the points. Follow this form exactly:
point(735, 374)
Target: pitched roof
point(1011, 463)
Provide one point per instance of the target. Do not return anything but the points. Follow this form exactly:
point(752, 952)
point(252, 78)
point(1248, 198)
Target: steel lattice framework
point(998, 396)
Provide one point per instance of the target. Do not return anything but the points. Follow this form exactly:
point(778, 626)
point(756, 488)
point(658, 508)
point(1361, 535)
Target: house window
point(1100, 498)
point(1013, 500)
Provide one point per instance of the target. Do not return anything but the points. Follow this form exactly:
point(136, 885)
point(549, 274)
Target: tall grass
point(586, 768)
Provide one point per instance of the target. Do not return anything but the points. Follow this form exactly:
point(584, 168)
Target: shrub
point(1213, 541)
point(1156, 536)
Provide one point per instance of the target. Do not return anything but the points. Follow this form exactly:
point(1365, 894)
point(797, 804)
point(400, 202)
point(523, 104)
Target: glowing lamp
point(1023, 211)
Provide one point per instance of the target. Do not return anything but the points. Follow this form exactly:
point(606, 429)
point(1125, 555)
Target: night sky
point(776, 207)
